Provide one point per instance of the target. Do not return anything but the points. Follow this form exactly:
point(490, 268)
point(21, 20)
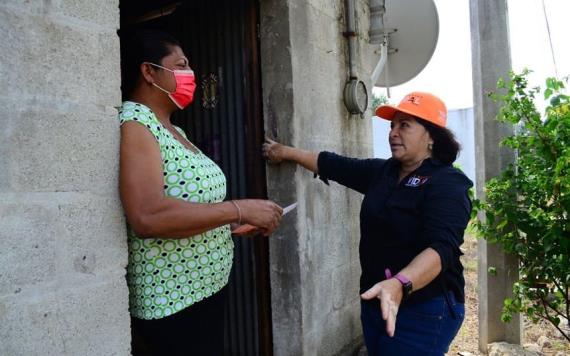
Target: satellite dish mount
point(407, 32)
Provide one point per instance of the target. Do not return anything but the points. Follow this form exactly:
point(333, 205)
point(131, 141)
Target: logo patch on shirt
point(416, 181)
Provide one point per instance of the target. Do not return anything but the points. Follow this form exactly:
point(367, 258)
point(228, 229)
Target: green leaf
point(547, 93)
point(502, 224)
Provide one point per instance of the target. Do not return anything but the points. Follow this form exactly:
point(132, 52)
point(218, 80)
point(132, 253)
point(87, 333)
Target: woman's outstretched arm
point(276, 152)
point(354, 173)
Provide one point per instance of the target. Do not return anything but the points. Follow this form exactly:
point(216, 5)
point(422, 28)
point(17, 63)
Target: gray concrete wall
point(314, 255)
point(62, 233)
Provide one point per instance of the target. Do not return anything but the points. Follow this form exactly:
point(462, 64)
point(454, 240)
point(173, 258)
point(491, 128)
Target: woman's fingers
point(275, 221)
point(388, 307)
point(389, 313)
point(266, 146)
point(245, 230)
point(278, 209)
point(372, 292)
point(262, 213)
point(385, 306)
point(270, 150)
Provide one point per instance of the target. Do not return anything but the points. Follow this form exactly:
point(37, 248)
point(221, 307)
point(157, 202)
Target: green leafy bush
point(378, 100)
point(527, 206)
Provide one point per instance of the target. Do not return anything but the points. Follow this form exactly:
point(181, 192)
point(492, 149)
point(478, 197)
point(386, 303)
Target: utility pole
point(491, 60)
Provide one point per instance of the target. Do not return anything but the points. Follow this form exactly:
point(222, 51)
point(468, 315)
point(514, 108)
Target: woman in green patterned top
point(180, 246)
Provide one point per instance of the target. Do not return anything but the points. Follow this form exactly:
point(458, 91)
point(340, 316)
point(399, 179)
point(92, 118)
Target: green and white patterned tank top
point(168, 275)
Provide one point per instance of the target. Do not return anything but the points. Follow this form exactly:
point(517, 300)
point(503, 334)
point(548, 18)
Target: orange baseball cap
point(423, 105)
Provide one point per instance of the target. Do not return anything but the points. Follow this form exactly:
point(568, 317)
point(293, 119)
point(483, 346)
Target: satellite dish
point(408, 30)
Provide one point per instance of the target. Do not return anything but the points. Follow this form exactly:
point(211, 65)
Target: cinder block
point(28, 241)
point(284, 252)
point(102, 12)
point(60, 149)
point(95, 235)
point(31, 7)
point(345, 285)
point(327, 45)
point(317, 300)
point(46, 235)
point(339, 333)
point(332, 9)
point(314, 28)
point(287, 314)
point(42, 57)
point(331, 244)
point(75, 316)
point(342, 334)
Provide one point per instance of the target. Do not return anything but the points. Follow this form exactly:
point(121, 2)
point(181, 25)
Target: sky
point(448, 73)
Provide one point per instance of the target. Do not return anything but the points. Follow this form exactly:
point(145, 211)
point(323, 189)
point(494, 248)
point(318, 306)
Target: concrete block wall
point(62, 231)
point(314, 262)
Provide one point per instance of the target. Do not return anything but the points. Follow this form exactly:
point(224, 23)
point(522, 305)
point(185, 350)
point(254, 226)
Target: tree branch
point(547, 318)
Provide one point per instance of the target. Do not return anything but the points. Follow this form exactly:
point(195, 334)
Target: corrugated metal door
point(219, 37)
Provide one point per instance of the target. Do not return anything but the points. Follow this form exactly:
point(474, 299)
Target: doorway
point(225, 122)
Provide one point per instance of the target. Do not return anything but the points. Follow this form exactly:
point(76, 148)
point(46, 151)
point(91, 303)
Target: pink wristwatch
point(407, 287)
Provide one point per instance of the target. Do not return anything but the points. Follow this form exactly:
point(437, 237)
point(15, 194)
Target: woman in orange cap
point(413, 217)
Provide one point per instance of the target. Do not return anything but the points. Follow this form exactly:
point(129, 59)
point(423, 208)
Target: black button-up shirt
point(428, 208)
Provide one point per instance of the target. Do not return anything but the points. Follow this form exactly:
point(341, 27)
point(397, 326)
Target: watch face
point(407, 289)
point(406, 285)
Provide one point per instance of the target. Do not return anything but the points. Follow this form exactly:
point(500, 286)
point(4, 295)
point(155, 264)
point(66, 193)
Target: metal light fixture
point(356, 97)
point(355, 92)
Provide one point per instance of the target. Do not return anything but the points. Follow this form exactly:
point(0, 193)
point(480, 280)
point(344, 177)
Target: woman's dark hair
point(142, 46)
point(445, 145)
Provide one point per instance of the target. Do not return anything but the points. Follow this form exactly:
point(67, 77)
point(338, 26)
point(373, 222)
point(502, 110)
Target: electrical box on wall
point(406, 32)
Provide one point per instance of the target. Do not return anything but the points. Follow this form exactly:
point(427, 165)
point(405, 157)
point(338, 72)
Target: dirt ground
point(466, 341)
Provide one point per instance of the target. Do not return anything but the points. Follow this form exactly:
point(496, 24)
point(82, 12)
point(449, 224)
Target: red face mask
point(183, 95)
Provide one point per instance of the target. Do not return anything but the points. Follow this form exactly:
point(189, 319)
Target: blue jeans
point(421, 329)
